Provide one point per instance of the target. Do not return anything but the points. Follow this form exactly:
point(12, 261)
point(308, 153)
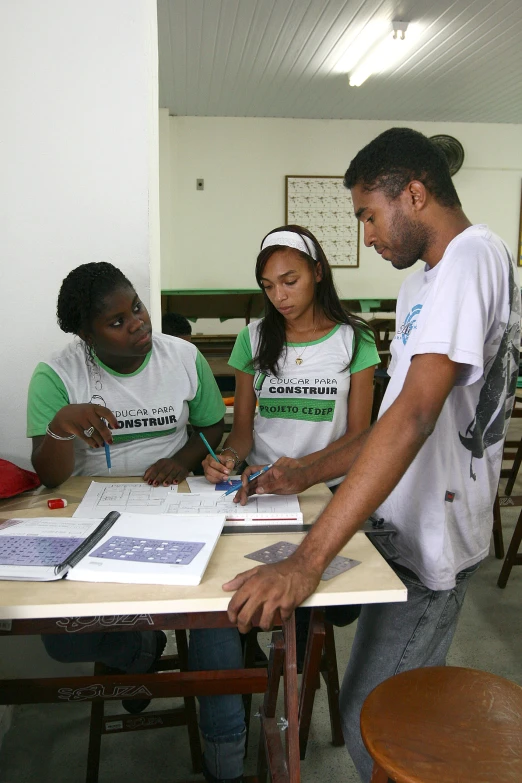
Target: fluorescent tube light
point(361, 44)
point(386, 53)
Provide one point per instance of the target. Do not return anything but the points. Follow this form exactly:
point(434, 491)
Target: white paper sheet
point(199, 484)
point(258, 506)
point(138, 498)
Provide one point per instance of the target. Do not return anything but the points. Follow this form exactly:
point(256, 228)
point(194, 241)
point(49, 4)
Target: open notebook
point(172, 551)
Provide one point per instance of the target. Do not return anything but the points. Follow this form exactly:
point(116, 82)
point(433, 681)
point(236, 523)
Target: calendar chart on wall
point(324, 206)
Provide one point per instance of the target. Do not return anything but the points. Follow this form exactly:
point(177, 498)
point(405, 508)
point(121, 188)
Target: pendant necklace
point(299, 356)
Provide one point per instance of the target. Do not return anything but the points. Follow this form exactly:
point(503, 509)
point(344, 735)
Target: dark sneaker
point(135, 706)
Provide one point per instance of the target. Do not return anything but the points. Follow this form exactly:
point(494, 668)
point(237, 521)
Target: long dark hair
point(272, 335)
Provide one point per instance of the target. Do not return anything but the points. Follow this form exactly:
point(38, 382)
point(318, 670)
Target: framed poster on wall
point(324, 206)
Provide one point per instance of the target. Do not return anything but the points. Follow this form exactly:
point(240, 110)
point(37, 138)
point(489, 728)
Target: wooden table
point(83, 607)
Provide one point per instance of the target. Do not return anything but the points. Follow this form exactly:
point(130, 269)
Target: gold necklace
point(299, 356)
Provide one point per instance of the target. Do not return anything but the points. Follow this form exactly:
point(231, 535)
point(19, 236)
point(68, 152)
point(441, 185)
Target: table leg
point(270, 745)
point(309, 681)
point(291, 702)
point(95, 735)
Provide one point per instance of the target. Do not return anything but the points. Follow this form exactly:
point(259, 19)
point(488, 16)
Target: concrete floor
point(48, 743)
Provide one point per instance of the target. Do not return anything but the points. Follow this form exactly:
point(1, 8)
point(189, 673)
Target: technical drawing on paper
point(324, 206)
point(148, 550)
point(138, 498)
point(207, 503)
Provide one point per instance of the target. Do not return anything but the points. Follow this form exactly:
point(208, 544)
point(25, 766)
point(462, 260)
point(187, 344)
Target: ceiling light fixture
point(388, 51)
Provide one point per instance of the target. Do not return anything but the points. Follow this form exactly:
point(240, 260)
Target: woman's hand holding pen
point(285, 477)
point(82, 419)
point(219, 469)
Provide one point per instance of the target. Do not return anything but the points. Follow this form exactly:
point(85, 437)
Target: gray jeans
point(393, 638)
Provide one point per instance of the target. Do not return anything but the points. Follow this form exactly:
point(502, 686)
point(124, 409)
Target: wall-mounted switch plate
point(200, 184)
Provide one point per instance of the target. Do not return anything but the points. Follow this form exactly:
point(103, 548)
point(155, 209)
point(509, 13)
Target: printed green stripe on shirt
point(141, 435)
point(302, 410)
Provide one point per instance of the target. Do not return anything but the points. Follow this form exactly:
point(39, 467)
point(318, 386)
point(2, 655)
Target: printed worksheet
point(139, 498)
point(259, 506)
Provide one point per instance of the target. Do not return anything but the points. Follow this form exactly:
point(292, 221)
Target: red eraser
point(57, 503)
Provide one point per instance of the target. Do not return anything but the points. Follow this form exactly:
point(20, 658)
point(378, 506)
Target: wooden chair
point(320, 660)
point(101, 724)
point(512, 453)
point(444, 725)
point(513, 557)
point(380, 383)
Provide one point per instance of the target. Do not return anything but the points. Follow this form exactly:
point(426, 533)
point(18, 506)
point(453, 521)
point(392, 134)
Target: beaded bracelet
point(236, 457)
point(58, 437)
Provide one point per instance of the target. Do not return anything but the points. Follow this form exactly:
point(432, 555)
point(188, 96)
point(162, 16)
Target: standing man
point(430, 465)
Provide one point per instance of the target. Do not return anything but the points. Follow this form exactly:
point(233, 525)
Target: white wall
point(79, 182)
point(210, 239)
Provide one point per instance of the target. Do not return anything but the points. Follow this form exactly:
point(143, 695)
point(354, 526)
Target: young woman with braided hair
point(122, 384)
point(119, 384)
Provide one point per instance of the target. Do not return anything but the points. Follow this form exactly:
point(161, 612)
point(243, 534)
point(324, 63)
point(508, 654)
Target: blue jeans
point(221, 718)
point(393, 638)
point(130, 651)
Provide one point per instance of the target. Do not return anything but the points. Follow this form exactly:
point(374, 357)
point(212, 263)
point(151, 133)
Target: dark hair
point(395, 158)
point(82, 294)
point(175, 324)
point(272, 335)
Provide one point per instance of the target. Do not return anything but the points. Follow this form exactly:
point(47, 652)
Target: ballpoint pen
point(209, 447)
point(108, 456)
point(210, 450)
point(250, 478)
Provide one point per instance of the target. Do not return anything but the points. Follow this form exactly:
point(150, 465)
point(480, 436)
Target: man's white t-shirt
point(468, 308)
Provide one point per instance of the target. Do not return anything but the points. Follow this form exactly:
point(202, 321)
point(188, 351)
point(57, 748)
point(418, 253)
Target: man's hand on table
point(268, 588)
point(286, 477)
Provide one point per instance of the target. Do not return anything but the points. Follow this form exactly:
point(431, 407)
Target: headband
point(291, 239)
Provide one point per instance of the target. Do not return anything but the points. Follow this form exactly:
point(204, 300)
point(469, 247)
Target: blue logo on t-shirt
point(410, 323)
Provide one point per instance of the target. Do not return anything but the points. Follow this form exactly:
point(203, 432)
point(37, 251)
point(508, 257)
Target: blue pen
point(107, 450)
point(108, 456)
point(250, 478)
point(209, 447)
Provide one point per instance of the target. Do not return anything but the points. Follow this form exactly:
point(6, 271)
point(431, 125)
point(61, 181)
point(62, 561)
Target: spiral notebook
point(173, 551)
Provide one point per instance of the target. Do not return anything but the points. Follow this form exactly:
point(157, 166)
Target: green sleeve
point(207, 407)
point(366, 354)
point(46, 396)
point(241, 356)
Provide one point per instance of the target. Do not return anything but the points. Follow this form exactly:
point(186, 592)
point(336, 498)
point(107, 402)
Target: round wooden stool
point(444, 725)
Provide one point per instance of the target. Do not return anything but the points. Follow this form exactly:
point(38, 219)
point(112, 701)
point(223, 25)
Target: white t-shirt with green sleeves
point(174, 386)
point(305, 407)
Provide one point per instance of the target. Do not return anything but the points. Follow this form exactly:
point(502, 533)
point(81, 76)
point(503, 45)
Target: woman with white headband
point(308, 364)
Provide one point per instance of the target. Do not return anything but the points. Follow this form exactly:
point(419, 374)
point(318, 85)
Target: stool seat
point(444, 725)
